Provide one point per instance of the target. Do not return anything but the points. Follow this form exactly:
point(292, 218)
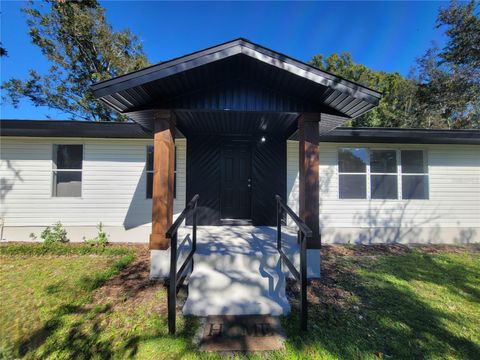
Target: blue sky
point(382, 35)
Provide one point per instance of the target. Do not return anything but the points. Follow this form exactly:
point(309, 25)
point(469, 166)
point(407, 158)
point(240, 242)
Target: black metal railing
point(303, 233)
point(176, 278)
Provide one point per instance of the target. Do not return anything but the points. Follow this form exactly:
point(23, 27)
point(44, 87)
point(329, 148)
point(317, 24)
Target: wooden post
point(163, 179)
point(309, 175)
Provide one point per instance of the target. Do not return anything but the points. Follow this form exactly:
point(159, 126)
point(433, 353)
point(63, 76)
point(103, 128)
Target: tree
point(397, 108)
point(3, 51)
point(449, 79)
point(443, 91)
point(83, 49)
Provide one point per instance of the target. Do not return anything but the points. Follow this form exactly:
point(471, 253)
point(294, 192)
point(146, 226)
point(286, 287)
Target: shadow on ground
point(377, 301)
point(125, 312)
point(411, 305)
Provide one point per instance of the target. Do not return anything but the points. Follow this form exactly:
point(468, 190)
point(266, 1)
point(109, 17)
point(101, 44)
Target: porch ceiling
point(235, 122)
point(237, 76)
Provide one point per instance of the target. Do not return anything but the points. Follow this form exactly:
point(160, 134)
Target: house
point(238, 124)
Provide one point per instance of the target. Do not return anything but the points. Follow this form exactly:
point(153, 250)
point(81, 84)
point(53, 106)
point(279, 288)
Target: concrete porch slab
point(236, 247)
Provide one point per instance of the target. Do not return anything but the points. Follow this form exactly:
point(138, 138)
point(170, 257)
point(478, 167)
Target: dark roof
point(401, 136)
point(211, 79)
point(86, 129)
point(68, 128)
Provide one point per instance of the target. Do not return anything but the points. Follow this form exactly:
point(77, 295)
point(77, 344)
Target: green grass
point(411, 306)
point(398, 306)
point(39, 249)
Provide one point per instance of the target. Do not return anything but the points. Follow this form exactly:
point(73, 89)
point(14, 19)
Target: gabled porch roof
point(237, 75)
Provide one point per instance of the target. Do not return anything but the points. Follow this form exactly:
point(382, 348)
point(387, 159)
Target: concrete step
point(253, 261)
point(216, 292)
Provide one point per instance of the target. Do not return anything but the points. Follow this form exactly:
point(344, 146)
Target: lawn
point(377, 302)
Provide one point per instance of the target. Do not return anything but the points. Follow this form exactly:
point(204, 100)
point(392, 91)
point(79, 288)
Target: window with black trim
point(149, 171)
point(67, 170)
point(414, 174)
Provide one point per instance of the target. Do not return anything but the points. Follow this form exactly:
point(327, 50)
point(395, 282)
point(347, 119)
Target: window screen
point(352, 167)
point(383, 174)
point(67, 170)
point(414, 174)
point(389, 171)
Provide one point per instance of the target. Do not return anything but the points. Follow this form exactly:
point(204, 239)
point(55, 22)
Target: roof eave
point(238, 46)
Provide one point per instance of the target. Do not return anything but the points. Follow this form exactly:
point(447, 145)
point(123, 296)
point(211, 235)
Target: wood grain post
point(309, 186)
point(163, 179)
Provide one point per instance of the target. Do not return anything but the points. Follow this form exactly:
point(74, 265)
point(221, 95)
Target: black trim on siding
point(78, 129)
point(399, 136)
point(86, 129)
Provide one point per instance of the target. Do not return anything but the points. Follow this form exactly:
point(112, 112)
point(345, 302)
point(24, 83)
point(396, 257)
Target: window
point(383, 174)
point(67, 170)
point(352, 168)
point(414, 174)
point(149, 170)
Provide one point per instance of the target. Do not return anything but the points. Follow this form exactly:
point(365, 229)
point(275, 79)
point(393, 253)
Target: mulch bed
point(394, 249)
point(132, 286)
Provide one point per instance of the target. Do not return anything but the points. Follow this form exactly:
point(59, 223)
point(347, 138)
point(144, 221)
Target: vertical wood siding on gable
point(454, 178)
point(113, 183)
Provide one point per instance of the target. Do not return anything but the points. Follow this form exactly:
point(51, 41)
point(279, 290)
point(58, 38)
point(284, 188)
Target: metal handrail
point(176, 278)
point(303, 233)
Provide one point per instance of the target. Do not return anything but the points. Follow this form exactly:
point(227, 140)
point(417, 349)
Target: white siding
point(114, 188)
point(452, 213)
point(113, 184)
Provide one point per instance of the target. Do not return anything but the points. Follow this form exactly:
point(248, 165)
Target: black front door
point(236, 167)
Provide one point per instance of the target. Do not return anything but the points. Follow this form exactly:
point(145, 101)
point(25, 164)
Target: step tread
point(225, 292)
point(260, 305)
point(261, 274)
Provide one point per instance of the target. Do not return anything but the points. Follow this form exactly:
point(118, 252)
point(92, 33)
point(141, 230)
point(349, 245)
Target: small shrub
point(54, 235)
point(101, 239)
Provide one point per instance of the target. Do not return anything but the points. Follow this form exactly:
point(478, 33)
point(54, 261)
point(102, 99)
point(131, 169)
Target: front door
point(236, 167)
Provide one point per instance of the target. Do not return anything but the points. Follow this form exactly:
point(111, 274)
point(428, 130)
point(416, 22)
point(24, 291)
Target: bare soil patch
point(132, 286)
point(453, 249)
point(328, 291)
point(394, 249)
point(364, 250)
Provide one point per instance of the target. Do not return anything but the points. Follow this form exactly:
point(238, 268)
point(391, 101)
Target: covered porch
point(236, 104)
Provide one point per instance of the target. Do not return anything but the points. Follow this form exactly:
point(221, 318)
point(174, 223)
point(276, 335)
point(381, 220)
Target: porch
point(237, 269)
point(236, 104)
